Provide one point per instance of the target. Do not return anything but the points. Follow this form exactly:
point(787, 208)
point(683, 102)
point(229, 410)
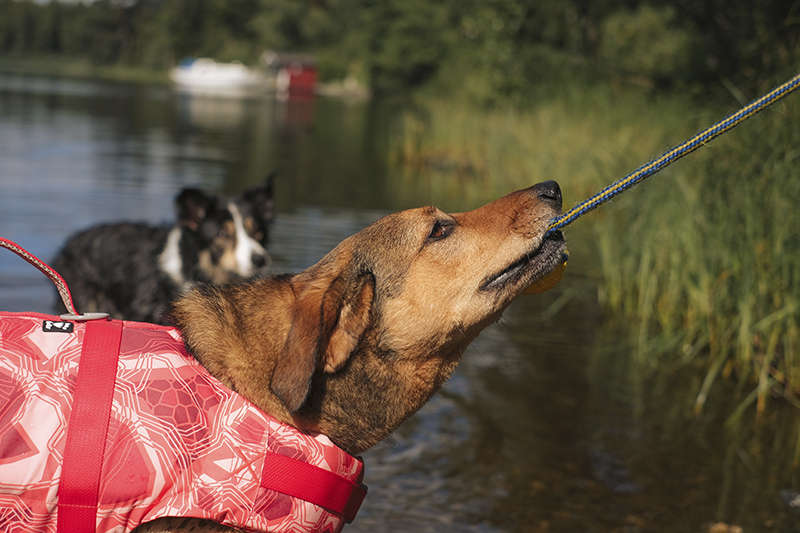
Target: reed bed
point(584, 138)
point(700, 263)
point(708, 269)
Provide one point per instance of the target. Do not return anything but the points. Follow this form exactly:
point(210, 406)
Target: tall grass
point(702, 263)
point(584, 138)
point(709, 264)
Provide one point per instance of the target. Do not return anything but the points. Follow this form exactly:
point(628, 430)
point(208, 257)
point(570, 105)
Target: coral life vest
point(179, 443)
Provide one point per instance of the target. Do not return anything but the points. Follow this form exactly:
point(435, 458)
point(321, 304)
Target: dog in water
point(133, 270)
point(343, 352)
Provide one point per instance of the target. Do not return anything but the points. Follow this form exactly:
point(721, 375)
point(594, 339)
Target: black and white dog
point(134, 270)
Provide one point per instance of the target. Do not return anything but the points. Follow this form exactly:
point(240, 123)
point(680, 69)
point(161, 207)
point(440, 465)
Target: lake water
point(546, 426)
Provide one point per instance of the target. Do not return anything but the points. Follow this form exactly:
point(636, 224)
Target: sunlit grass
point(584, 139)
point(701, 262)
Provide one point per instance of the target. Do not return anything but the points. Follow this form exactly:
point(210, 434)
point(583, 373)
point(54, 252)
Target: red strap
point(88, 426)
point(312, 484)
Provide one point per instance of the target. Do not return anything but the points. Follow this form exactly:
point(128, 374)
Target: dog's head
point(380, 323)
point(231, 234)
point(355, 344)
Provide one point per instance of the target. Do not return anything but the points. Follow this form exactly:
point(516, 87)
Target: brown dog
point(355, 344)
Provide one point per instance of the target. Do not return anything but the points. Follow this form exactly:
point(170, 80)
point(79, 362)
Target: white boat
point(207, 75)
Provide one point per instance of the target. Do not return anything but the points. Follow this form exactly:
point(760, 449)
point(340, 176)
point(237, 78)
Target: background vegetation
point(494, 50)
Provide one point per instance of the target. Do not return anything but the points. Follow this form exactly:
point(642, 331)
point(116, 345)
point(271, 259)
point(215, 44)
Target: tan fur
point(355, 344)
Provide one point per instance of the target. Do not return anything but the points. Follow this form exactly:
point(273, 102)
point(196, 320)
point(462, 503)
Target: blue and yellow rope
point(673, 155)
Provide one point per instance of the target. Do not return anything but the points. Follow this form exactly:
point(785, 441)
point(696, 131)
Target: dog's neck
point(361, 406)
point(233, 337)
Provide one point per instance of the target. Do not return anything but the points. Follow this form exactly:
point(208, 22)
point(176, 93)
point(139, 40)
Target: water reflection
point(546, 426)
point(212, 112)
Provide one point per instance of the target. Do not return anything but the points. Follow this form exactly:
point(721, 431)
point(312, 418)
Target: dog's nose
point(548, 191)
point(259, 261)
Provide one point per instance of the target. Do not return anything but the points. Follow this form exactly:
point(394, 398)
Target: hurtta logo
point(50, 326)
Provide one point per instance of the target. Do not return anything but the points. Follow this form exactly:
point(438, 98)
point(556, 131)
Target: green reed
point(710, 262)
point(584, 138)
point(702, 263)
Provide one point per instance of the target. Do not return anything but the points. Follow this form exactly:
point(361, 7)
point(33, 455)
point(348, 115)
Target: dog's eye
point(222, 234)
point(440, 230)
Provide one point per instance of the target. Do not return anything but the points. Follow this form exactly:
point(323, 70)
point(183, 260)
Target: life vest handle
point(55, 277)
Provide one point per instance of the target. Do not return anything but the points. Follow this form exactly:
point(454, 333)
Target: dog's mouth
point(531, 266)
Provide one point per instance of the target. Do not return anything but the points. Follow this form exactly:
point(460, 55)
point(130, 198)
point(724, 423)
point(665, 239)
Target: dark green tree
point(495, 49)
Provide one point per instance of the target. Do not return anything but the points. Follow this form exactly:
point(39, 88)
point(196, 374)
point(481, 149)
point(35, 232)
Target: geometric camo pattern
point(179, 443)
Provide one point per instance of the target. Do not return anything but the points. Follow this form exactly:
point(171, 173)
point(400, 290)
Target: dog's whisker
point(505, 323)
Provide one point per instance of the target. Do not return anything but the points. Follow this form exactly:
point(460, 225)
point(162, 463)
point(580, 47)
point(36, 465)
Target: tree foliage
point(496, 49)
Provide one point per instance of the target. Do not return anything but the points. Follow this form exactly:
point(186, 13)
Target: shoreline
point(79, 68)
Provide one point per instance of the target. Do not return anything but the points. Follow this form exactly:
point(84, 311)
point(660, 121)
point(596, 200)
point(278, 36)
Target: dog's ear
point(345, 321)
point(262, 198)
point(328, 321)
point(192, 206)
